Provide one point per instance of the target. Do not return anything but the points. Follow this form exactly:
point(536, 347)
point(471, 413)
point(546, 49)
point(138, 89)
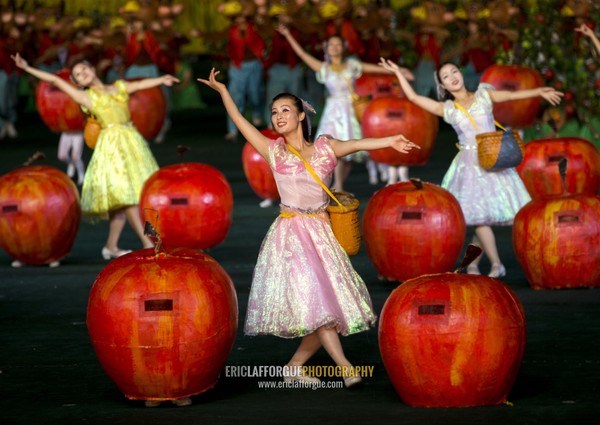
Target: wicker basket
point(345, 223)
point(499, 149)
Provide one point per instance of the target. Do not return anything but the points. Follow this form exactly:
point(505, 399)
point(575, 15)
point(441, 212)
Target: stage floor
point(49, 373)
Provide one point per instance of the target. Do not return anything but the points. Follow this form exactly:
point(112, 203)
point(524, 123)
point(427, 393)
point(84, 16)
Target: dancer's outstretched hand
point(395, 68)
point(551, 95)
point(283, 30)
point(403, 145)
point(212, 81)
point(169, 80)
point(585, 30)
point(19, 61)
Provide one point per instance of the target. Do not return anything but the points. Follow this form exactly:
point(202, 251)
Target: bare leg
point(372, 170)
point(383, 171)
point(64, 146)
point(309, 345)
point(76, 154)
point(133, 216)
point(476, 241)
point(403, 173)
point(488, 242)
point(117, 222)
point(473, 268)
point(392, 174)
point(330, 340)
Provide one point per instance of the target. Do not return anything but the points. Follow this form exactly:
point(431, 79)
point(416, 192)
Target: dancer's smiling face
point(335, 46)
point(285, 115)
point(83, 74)
point(450, 77)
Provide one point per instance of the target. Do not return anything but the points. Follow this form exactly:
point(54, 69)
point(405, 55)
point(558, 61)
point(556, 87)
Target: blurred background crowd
point(139, 38)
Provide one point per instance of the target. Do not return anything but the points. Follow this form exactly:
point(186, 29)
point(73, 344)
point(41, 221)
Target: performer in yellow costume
point(122, 161)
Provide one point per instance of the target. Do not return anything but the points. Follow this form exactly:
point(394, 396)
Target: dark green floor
point(49, 373)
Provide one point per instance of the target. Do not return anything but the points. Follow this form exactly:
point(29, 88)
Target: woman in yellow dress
point(121, 161)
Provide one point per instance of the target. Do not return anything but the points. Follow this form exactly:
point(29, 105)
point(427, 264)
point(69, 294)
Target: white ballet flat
point(266, 203)
point(182, 402)
point(294, 373)
point(350, 381)
point(497, 271)
point(108, 254)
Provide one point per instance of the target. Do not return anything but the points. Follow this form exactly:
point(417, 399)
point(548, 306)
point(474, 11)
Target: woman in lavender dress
point(304, 284)
point(486, 197)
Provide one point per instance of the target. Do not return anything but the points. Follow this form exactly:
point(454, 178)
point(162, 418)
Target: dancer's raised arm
point(147, 83)
point(259, 141)
point(397, 142)
point(312, 62)
point(73, 92)
point(550, 94)
point(430, 105)
point(588, 32)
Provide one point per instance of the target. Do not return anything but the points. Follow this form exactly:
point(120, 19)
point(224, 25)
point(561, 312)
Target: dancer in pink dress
point(304, 284)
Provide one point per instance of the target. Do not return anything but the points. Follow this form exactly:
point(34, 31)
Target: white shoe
point(16, 264)
point(266, 203)
point(294, 373)
point(182, 402)
point(107, 254)
point(54, 264)
point(497, 271)
point(350, 381)
point(11, 130)
point(70, 169)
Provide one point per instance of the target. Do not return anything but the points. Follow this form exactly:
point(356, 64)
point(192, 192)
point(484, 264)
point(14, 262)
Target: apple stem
point(35, 157)
point(473, 251)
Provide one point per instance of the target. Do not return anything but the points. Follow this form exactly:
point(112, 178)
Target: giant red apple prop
point(58, 111)
point(388, 116)
point(515, 113)
point(39, 214)
point(194, 204)
point(148, 110)
point(540, 173)
point(163, 323)
point(378, 85)
point(413, 228)
point(557, 239)
point(452, 340)
point(258, 171)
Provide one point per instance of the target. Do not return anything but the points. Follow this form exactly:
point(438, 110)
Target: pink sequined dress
point(303, 279)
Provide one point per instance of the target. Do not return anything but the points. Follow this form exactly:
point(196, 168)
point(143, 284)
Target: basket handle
point(314, 175)
point(462, 108)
